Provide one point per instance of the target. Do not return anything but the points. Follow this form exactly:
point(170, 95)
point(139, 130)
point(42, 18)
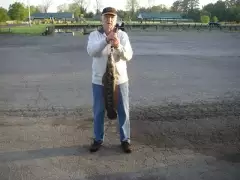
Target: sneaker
point(126, 147)
point(95, 146)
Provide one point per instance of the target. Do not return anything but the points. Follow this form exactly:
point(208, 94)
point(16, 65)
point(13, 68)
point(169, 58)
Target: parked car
point(214, 24)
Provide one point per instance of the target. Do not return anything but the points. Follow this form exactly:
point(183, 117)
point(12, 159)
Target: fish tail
point(112, 114)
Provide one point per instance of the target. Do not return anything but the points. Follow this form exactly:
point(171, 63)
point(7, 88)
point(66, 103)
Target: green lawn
point(39, 29)
point(32, 30)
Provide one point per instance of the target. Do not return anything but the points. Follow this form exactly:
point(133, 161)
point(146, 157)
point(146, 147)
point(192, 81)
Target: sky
point(118, 4)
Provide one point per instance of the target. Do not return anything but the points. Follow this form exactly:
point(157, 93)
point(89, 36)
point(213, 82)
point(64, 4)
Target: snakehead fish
point(110, 87)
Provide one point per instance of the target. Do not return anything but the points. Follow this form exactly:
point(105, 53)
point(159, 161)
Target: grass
point(39, 29)
point(30, 30)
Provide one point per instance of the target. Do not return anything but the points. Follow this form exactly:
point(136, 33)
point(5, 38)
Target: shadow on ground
point(80, 150)
point(176, 171)
point(148, 174)
point(207, 128)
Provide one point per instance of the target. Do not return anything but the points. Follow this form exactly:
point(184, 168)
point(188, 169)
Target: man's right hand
point(110, 36)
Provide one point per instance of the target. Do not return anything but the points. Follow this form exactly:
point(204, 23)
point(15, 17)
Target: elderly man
point(98, 47)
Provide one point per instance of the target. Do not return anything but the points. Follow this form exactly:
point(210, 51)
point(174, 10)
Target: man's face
point(109, 22)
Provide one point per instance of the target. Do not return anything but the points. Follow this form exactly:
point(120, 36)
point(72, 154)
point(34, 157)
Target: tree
point(34, 9)
point(205, 13)
point(235, 12)
point(194, 15)
point(46, 4)
point(17, 11)
point(219, 9)
point(189, 8)
point(98, 6)
point(232, 3)
point(177, 6)
point(89, 15)
point(124, 15)
point(187, 5)
point(193, 4)
point(238, 18)
point(3, 15)
point(159, 8)
point(62, 8)
point(132, 5)
point(82, 4)
point(75, 9)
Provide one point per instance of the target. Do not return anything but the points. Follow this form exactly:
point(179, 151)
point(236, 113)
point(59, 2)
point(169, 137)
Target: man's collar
point(101, 30)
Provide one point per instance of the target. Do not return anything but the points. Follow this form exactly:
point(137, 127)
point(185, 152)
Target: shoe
point(126, 147)
point(95, 146)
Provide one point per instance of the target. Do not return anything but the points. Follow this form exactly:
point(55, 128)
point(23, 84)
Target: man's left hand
point(115, 42)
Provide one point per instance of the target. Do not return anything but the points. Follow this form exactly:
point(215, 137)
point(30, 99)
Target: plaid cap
point(109, 10)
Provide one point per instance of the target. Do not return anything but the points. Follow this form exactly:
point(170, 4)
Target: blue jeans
point(122, 110)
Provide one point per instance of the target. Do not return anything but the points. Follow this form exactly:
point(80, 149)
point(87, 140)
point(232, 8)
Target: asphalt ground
point(185, 109)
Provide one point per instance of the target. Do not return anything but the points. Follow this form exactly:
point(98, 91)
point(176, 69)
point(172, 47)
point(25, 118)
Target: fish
point(110, 89)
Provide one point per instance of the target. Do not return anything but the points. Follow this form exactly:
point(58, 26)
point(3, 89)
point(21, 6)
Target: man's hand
point(113, 39)
point(115, 42)
point(110, 37)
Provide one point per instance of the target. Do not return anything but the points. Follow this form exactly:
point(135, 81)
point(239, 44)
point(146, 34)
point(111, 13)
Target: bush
point(205, 19)
point(215, 19)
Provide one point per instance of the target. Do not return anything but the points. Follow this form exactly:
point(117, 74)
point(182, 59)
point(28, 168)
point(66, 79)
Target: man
point(98, 47)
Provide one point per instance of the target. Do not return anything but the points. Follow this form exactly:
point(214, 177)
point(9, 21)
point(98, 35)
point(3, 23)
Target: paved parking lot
point(185, 109)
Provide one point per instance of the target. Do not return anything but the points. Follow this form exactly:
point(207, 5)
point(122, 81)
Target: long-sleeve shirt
point(98, 49)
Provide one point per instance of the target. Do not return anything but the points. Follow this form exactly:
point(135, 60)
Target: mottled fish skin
point(110, 87)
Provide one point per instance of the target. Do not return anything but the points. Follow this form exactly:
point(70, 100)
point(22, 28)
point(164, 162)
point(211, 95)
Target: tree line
point(228, 10)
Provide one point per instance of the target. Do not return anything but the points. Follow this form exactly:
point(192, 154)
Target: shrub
point(205, 19)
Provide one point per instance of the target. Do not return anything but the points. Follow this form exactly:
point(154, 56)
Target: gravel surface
point(185, 109)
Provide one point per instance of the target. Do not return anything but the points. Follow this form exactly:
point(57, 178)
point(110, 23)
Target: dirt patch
point(208, 128)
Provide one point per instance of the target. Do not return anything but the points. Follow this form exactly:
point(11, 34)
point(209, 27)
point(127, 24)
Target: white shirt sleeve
point(95, 45)
point(125, 49)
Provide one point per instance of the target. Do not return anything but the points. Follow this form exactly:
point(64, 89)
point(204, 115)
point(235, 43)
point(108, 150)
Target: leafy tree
point(184, 5)
point(220, 10)
point(3, 15)
point(205, 13)
point(17, 11)
point(193, 4)
point(89, 15)
point(189, 8)
point(159, 8)
point(232, 3)
point(34, 9)
point(210, 8)
point(238, 18)
point(187, 5)
point(74, 8)
point(194, 15)
point(177, 6)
